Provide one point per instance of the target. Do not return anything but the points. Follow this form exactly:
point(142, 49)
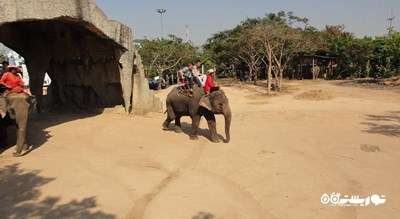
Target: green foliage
point(288, 38)
point(366, 57)
point(283, 35)
point(219, 48)
point(385, 60)
point(165, 55)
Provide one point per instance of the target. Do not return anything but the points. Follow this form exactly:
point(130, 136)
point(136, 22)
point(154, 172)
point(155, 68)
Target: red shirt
point(13, 81)
point(209, 84)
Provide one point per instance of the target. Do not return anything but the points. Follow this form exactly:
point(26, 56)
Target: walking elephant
point(179, 105)
point(14, 110)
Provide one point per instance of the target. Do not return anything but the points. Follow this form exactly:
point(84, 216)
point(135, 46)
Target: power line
point(390, 19)
point(187, 33)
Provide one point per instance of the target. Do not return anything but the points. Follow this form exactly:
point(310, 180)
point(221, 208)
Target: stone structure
point(91, 60)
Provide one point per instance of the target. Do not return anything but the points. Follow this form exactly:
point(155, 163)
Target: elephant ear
point(3, 106)
point(205, 102)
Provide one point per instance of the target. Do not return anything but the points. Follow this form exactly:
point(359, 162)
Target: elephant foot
point(194, 137)
point(26, 147)
point(165, 127)
point(15, 154)
point(215, 139)
point(178, 129)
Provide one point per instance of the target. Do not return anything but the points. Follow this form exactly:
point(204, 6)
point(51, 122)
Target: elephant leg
point(21, 122)
point(170, 117)
point(212, 126)
point(178, 128)
point(166, 124)
point(195, 127)
point(20, 141)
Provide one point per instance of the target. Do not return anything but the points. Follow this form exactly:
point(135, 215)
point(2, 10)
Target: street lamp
point(161, 12)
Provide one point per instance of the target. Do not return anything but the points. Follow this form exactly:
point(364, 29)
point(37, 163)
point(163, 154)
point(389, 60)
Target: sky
point(206, 17)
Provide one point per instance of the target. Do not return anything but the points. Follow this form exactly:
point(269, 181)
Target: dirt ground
point(286, 151)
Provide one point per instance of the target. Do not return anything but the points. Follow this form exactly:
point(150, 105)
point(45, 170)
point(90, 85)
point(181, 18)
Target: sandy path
point(284, 154)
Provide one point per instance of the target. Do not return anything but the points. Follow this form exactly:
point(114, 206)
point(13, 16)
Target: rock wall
point(91, 60)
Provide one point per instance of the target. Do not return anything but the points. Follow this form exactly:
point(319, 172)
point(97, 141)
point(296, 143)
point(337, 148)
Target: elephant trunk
point(228, 117)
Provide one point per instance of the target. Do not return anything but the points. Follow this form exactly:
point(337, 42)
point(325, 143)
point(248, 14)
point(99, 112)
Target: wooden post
point(313, 73)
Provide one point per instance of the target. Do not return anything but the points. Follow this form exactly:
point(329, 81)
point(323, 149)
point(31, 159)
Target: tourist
point(199, 77)
point(12, 81)
point(209, 85)
point(187, 73)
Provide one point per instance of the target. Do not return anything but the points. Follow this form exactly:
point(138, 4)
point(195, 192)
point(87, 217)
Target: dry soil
point(286, 151)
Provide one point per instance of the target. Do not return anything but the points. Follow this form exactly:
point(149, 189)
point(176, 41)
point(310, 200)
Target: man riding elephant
point(196, 106)
point(15, 106)
point(12, 81)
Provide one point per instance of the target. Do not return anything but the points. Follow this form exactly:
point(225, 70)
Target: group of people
point(192, 74)
point(11, 80)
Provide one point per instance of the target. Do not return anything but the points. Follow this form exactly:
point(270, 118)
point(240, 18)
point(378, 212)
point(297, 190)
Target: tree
point(337, 43)
point(162, 55)
point(234, 47)
point(352, 55)
point(247, 51)
point(245, 46)
point(385, 61)
point(264, 34)
point(219, 48)
point(274, 40)
point(280, 42)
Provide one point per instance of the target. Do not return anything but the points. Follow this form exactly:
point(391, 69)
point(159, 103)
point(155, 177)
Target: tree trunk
point(313, 70)
point(159, 79)
point(250, 73)
point(255, 76)
point(269, 73)
point(280, 79)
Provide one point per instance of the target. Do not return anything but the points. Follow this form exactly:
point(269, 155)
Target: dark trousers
point(214, 89)
point(197, 80)
point(190, 80)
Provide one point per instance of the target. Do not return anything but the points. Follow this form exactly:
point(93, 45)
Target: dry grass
point(315, 95)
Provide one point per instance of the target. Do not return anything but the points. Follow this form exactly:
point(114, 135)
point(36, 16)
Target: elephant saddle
point(185, 90)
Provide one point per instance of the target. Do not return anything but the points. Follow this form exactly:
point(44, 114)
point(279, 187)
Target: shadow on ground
point(187, 129)
point(20, 197)
point(387, 124)
point(36, 134)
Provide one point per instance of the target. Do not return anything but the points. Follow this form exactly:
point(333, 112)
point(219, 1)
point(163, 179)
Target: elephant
point(14, 110)
point(315, 69)
point(179, 105)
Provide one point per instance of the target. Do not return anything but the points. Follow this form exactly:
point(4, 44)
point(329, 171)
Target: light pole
point(161, 12)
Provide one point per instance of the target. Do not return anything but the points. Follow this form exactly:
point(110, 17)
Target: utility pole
point(161, 12)
point(390, 19)
point(187, 33)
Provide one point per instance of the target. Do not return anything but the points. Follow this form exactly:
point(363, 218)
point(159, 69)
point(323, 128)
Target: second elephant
point(179, 105)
